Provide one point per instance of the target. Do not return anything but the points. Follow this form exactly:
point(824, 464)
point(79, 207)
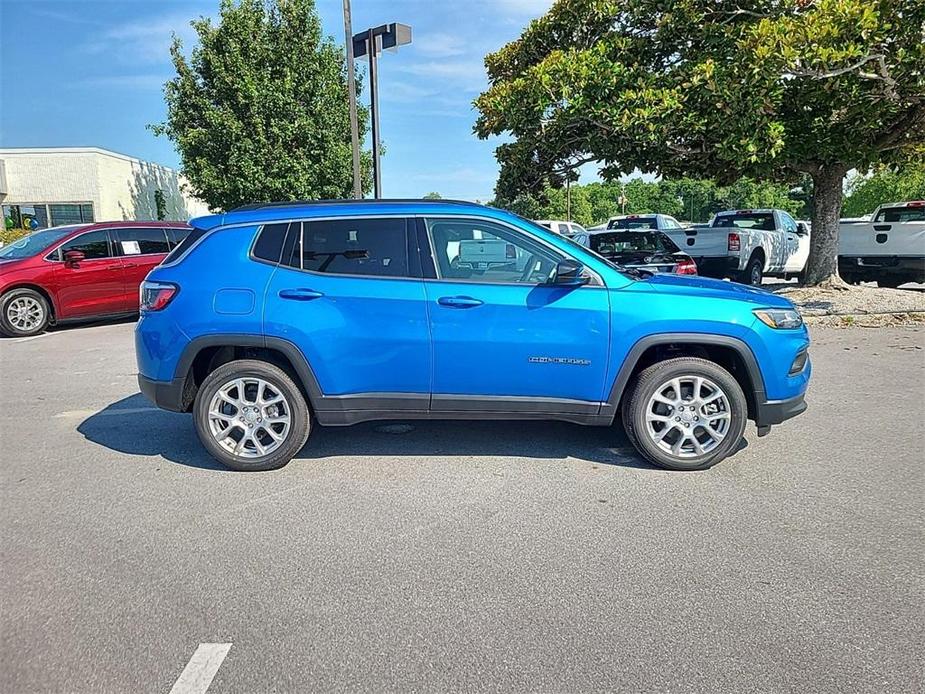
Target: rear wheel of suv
point(23, 312)
point(251, 416)
point(685, 414)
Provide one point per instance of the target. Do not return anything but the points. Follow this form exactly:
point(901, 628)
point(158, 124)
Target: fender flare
point(611, 406)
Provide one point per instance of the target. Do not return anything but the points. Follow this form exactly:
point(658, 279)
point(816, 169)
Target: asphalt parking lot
point(460, 556)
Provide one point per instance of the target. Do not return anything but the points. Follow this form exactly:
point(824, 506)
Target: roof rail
point(349, 201)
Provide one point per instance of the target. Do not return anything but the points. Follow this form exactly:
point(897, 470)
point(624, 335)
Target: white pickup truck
point(746, 245)
point(889, 248)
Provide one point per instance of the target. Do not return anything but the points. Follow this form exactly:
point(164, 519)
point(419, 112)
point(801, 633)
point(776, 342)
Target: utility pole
point(352, 96)
point(568, 199)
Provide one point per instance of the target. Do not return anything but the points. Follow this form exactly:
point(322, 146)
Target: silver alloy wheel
point(756, 274)
point(25, 313)
point(249, 417)
point(688, 416)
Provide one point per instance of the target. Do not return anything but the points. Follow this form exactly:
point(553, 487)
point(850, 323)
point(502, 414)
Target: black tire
point(10, 329)
point(892, 281)
point(279, 381)
point(754, 272)
point(651, 379)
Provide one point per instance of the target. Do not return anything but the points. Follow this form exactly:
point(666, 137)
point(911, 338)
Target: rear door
point(94, 286)
point(141, 249)
point(349, 294)
point(504, 340)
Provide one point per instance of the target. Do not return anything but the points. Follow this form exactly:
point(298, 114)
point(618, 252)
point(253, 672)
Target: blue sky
point(84, 72)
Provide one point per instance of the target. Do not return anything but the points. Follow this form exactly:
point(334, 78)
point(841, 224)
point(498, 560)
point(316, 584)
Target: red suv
point(79, 271)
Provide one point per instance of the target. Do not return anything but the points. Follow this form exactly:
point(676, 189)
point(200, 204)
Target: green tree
point(259, 111)
point(160, 204)
point(712, 88)
point(867, 192)
point(433, 196)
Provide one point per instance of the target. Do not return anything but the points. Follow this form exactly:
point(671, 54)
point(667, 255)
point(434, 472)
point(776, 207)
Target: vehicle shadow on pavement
point(132, 425)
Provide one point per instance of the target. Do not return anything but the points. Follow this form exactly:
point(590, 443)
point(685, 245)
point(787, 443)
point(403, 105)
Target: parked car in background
point(79, 271)
point(560, 227)
point(660, 222)
point(271, 319)
point(747, 245)
point(641, 250)
point(888, 248)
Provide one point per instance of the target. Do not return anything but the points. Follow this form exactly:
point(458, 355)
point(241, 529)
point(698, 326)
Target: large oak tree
point(259, 110)
point(713, 88)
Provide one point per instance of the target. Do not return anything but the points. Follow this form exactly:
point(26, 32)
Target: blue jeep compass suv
point(272, 318)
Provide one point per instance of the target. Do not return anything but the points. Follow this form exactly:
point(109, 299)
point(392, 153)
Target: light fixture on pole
point(371, 43)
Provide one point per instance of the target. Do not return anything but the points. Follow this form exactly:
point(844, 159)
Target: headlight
point(781, 318)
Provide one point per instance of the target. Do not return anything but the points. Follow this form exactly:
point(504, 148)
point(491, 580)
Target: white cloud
point(439, 45)
point(141, 81)
point(143, 41)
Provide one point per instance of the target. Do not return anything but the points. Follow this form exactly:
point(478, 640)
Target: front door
point(502, 338)
point(348, 293)
point(94, 286)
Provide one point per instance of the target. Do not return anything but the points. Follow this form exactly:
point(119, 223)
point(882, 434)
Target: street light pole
point(352, 97)
point(372, 52)
point(371, 43)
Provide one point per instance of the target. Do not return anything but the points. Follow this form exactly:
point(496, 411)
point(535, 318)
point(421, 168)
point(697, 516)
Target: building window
point(26, 217)
point(32, 216)
point(70, 214)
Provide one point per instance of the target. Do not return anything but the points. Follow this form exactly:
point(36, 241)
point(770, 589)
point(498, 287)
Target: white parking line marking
point(33, 337)
point(200, 670)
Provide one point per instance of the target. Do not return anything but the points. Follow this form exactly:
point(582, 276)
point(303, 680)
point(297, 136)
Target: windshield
point(747, 220)
point(35, 243)
point(901, 214)
point(630, 241)
point(634, 223)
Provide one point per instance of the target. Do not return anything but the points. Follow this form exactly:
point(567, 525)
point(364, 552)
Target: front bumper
point(168, 395)
point(776, 411)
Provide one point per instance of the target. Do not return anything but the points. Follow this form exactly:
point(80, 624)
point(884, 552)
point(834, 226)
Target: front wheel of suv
point(251, 416)
point(685, 414)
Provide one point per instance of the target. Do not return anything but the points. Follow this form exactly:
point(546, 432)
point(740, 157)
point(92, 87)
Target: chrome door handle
point(300, 294)
point(459, 301)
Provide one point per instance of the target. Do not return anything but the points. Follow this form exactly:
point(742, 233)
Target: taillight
point(155, 296)
point(686, 267)
point(734, 242)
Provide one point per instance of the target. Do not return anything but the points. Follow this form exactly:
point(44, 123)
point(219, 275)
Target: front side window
point(376, 247)
point(788, 223)
point(93, 244)
point(141, 241)
point(486, 252)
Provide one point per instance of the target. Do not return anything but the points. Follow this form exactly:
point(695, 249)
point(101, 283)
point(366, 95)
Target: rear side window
point(141, 241)
point(269, 244)
point(634, 223)
point(372, 247)
point(181, 248)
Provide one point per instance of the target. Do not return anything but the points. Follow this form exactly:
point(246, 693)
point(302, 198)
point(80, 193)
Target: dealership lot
point(459, 555)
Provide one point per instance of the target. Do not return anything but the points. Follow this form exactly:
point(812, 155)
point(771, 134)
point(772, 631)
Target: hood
point(691, 285)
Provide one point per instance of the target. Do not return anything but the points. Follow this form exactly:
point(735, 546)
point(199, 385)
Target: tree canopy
point(867, 192)
point(259, 110)
point(712, 88)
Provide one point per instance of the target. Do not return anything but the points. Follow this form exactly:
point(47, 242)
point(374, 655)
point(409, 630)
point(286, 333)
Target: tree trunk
point(822, 266)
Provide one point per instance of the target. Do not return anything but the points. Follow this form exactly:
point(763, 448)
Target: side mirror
point(73, 258)
point(568, 273)
point(802, 229)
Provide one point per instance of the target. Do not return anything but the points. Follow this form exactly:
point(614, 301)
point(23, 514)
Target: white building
point(50, 186)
